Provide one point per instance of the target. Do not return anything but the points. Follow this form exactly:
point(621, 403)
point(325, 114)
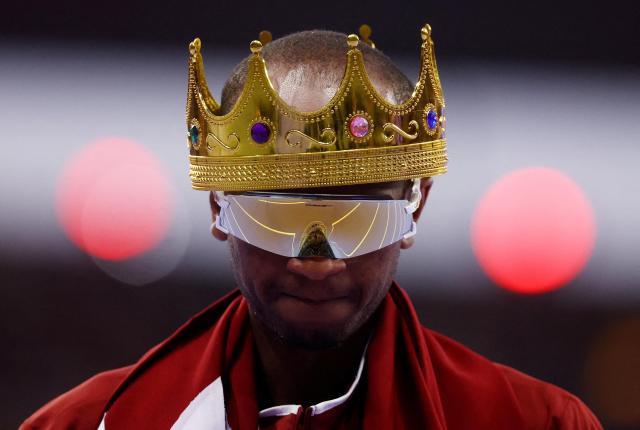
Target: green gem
point(194, 134)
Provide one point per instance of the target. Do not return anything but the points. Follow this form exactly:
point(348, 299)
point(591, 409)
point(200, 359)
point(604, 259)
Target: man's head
point(318, 302)
point(306, 69)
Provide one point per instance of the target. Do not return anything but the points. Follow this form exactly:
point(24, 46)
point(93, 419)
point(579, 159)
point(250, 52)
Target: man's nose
point(316, 268)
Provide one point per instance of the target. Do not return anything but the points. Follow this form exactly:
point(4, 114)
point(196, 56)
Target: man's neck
point(293, 375)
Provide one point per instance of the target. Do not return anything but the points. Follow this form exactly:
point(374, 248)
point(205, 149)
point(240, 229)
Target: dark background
point(65, 316)
point(544, 30)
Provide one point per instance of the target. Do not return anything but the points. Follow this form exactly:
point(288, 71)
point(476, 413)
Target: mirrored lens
point(295, 226)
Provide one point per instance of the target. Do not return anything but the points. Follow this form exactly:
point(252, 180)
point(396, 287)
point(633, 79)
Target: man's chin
point(311, 324)
point(313, 338)
point(310, 334)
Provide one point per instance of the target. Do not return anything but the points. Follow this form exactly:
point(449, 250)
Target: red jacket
point(413, 378)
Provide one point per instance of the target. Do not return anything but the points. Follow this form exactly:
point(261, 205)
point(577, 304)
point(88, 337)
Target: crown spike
point(199, 96)
point(352, 40)
point(194, 47)
point(426, 32)
point(365, 33)
point(265, 37)
point(255, 46)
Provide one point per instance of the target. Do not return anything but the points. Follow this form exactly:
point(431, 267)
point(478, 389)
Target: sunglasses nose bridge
point(314, 242)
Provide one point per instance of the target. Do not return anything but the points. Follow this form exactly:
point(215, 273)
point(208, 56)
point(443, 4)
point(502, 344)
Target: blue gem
point(432, 119)
point(194, 134)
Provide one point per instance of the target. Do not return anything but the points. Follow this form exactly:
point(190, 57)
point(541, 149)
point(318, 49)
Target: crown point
point(426, 31)
point(365, 31)
point(194, 47)
point(265, 37)
point(352, 40)
point(255, 46)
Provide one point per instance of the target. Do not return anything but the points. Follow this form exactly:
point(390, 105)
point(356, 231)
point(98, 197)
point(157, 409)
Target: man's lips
point(315, 300)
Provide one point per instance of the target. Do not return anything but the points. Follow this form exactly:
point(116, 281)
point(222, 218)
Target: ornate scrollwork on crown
point(390, 130)
point(231, 143)
point(297, 138)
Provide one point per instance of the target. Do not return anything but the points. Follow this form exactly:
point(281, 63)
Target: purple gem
point(359, 126)
point(432, 119)
point(260, 132)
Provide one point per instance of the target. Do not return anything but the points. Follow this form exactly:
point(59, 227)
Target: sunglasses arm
point(416, 196)
point(414, 202)
point(223, 203)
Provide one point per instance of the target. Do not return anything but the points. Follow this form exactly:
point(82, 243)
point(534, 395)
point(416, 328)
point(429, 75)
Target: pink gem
point(359, 126)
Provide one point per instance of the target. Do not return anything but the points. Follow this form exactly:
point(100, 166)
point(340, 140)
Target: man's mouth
point(314, 300)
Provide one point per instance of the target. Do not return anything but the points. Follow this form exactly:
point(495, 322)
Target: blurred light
point(533, 230)
point(159, 261)
point(114, 200)
point(612, 373)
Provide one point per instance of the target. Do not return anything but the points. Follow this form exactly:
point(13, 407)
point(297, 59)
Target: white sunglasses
point(324, 225)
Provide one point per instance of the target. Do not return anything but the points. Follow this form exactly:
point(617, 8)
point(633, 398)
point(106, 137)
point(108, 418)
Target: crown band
point(319, 168)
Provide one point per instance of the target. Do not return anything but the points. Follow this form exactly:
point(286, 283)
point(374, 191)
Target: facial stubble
point(325, 336)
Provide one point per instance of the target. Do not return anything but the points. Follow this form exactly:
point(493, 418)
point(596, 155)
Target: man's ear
point(215, 211)
point(425, 187)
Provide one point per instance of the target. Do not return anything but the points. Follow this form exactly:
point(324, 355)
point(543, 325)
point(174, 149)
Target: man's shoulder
point(80, 407)
point(463, 373)
point(564, 407)
point(83, 406)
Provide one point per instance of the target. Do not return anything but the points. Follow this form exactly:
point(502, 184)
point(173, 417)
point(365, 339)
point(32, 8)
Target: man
point(314, 177)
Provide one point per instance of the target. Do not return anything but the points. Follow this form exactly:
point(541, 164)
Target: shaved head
point(306, 69)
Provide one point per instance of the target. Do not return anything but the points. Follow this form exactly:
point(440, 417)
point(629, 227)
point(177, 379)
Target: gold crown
point(358, 137)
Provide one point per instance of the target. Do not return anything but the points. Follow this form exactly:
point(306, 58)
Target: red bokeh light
point(533, 231)
point(114, 200)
